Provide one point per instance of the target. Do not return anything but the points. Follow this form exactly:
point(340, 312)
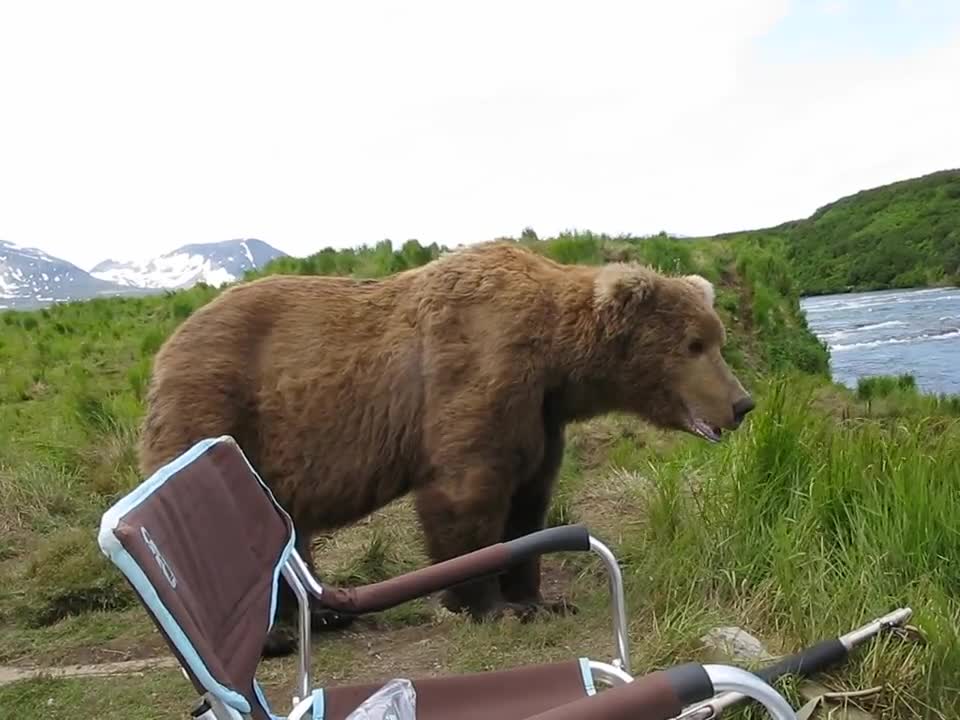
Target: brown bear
point(453, 381)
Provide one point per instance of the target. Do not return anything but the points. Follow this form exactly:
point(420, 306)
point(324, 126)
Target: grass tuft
point(65, 577)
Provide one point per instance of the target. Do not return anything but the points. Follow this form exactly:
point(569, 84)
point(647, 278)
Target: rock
point(734, 645)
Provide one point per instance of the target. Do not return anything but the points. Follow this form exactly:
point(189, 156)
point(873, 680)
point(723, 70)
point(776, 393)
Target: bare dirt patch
point(14, 674)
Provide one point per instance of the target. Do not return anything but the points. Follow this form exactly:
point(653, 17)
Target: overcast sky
point(130, 128)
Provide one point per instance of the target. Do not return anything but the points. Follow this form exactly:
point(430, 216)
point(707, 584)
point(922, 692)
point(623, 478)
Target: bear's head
point(662, 351)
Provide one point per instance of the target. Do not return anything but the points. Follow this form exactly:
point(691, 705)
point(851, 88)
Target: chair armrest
point(492, 559)
point(658, 695)
point(304, 708)
point(663, 694)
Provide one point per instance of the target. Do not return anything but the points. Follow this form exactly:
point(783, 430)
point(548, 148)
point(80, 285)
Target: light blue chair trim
point(263, 701)
point(587, 676)
point(113, 549)
point(318, 709)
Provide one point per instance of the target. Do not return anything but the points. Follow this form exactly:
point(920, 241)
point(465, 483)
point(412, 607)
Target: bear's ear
point(622, 284)
point(704, 286)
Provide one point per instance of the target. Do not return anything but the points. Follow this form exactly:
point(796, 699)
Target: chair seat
point(512, 694)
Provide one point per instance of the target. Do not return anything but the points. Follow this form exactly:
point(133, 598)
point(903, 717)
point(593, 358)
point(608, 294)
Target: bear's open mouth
point(705, 430)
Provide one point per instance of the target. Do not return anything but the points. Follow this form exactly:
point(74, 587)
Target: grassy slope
point(823, 512)
point(905, 234)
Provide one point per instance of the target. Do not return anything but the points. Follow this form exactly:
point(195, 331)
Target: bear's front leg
point(460, 514)
point(528, 513)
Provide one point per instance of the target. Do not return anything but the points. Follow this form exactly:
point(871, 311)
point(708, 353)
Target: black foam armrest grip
point(565, 538)
point(690, 682)
point(806, 662)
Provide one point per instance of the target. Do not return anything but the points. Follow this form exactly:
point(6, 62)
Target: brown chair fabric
point(649, 697)
point(513, 694)
point(219, 539)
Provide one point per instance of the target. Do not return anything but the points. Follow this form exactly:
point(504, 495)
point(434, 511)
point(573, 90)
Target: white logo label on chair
point(168, 573)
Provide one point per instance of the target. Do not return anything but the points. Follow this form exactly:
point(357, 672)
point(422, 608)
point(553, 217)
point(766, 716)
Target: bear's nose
point(741, 407)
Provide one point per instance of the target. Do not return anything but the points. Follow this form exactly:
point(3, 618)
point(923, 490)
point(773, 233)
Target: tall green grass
point(899, 395)
point(884, 385)
point(816, 525)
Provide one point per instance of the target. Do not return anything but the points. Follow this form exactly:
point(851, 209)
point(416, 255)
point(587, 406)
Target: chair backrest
point(202, 541)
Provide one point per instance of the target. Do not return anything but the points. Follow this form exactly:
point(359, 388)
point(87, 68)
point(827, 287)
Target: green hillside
point(825, 510)
point(906, 234)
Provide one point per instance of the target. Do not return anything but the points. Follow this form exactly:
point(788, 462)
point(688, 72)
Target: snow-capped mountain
point(31, 278)
point(212, 263)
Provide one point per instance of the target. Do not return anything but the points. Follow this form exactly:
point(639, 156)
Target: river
point(891, 332)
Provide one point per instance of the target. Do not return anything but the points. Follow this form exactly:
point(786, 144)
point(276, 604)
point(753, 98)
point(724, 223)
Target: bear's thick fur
point(453, 381)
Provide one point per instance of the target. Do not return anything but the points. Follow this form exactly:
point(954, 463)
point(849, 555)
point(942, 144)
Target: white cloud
point(834, 7)
point(308, 124)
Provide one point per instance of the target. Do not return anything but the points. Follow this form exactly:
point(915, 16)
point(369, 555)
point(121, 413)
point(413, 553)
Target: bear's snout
point(741, 408)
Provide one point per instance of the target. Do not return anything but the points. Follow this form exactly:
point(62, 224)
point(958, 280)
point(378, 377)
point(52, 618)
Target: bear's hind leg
point(283, 637)
point(321, 619)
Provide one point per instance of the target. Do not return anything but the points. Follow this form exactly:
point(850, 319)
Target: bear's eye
point(696, 347)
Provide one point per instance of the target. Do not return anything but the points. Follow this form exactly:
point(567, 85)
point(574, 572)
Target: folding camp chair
point(203, 542)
